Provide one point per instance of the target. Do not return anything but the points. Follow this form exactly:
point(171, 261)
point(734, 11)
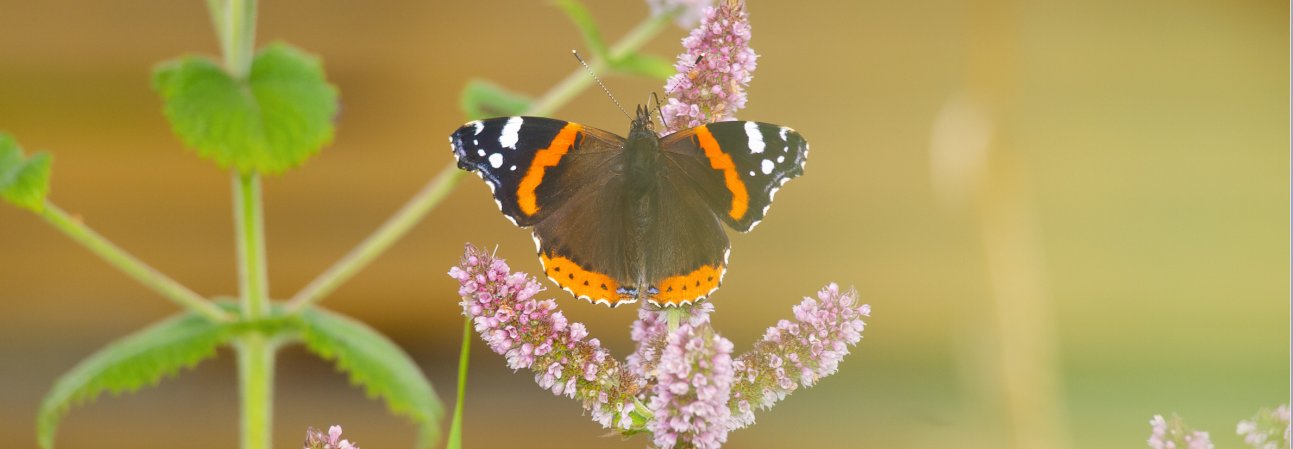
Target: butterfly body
point(619, 220)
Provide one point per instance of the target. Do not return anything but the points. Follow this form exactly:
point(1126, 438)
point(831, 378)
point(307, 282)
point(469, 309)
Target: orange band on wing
point(719, 160)
point(687, 288)
point(547, 157)
point(580, 282)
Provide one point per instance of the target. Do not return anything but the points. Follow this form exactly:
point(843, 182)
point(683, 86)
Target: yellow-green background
point(1150, 138)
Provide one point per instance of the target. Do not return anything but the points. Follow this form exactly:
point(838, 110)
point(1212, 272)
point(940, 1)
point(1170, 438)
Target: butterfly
point(617, 220)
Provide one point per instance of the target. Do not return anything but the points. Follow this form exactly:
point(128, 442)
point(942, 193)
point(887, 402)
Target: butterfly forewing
point(737, 167)
point(516, 155)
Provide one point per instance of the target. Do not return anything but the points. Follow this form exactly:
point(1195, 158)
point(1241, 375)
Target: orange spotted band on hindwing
point(618, 220)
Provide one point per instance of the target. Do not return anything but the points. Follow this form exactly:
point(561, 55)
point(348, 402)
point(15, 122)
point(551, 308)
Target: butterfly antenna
point(599, 83)
point(660, 110)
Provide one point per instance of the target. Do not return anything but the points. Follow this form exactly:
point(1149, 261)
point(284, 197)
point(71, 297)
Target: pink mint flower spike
point(1172, 434)
point(1268, 429)
point(797, 353)
point(315, 439)
point(713, 71)
point(693, 385)
point(532, 334)
point(649, 333)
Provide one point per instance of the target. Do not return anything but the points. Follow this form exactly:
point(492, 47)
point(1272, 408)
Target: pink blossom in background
point(315, 439)
point(687, 12)
point(1268, 429)
point(1172, 434)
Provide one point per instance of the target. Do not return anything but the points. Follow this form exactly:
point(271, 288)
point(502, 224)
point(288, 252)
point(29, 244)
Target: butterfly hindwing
point(737, 167)
point(686, 248)
point(525, 159)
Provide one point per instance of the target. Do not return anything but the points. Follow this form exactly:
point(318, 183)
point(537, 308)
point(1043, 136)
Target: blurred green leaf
point(137, 360)
point(483, 99)
point(24, 181)
point(646, 65)
point(272, 121)
point(376, 363)
point(586, 25)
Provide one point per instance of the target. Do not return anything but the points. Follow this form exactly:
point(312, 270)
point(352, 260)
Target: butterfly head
point(643, 120)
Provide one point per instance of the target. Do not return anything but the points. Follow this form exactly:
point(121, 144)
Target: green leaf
point(24, 181)
point(481, 99)
point(376, 363)
point(586, 25)
point(272, 121)
point(137, 360)
point(646, 65)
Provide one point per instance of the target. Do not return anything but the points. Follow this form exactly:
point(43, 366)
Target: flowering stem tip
point(682, 384)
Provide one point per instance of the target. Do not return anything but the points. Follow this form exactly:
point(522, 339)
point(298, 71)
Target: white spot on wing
point(784, 130)
point(751, 172)
point(513, 168)
point(755, 137)
point(510, 134)
point(767, 166)
point(480, 153)
point(478, 125)
point(781, 159)
point(496, 160)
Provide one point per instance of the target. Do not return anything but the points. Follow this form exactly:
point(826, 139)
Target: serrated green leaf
point(137, 360)
point(24, 181)
point(586, 25)
point(376, 363)
point(272, 121)
point(482, 99)
point(646, 65)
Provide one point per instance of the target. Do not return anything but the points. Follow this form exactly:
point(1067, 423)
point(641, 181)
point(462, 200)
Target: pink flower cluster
point(713, 70)
point(1268, 429)
point(683, 385)
point(533, 334)
point(315, 439)
point(1173, 434)
point(797, 353)
point(693, 385)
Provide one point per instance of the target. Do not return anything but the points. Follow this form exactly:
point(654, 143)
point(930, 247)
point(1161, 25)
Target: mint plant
point(258, 112)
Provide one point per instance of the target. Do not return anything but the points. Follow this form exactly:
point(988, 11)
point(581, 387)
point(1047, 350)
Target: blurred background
point(1068, 216)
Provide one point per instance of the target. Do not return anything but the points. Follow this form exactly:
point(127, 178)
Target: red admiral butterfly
point(617, 220)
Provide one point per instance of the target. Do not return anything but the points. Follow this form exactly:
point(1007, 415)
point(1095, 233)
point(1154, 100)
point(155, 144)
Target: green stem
point(253, 279)
point(115, 256)
point(239, 36)
point(435, 191)
point(455, 429)
point(673, 316)
point(256, 389)
point(377, 243)
point(578, 80)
